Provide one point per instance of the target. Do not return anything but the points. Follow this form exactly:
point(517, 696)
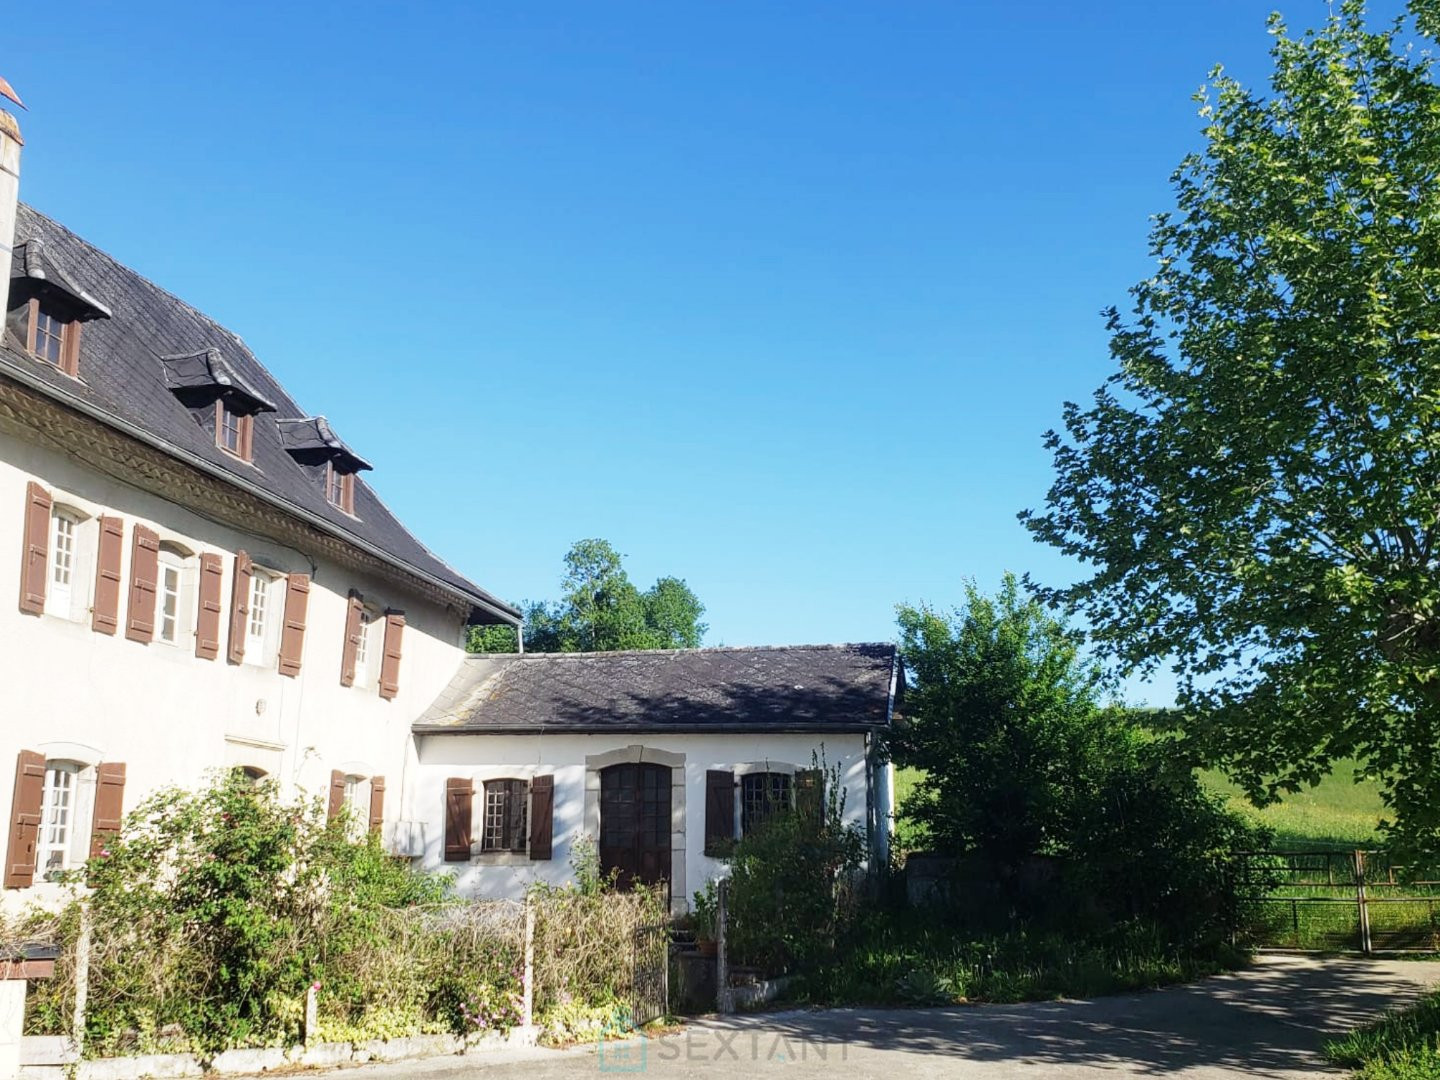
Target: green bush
point(214, 912)
point(793, 885)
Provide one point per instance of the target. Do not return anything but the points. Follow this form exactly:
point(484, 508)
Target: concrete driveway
point(1268, 1021)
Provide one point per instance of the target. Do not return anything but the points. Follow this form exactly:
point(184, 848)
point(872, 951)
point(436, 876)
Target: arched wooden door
point(635, 823)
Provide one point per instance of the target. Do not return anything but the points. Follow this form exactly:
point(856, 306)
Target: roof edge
point(749, 728)
point(679, 652)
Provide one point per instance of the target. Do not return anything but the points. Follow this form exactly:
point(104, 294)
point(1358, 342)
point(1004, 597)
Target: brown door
point(635, 823)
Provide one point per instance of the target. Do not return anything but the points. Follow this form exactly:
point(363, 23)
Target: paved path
point(1268, 1021)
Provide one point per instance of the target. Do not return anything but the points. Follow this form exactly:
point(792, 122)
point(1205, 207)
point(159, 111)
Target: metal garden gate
point(650, 980)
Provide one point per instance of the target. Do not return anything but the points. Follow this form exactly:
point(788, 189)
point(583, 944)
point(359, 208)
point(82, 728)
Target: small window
point(234, 432)
point(169, 604)
point(362, 648)
point(762, 795)
point(505, 814)
point(258, 622)
point(339, 488)
point(49, 337)
point(54, 340)
point(60, 590)
point(57, 818)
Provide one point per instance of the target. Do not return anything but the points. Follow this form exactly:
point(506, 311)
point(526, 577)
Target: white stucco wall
point(489, 757)
point(167, 714)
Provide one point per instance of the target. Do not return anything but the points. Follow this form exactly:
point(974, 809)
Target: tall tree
point(601, 610)
point(1257, 488)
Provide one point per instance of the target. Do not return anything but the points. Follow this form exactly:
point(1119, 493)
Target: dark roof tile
point(773, 688)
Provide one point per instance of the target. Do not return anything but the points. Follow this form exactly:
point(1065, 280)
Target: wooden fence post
point(82, 979)
point(1361, 902)
point(724, 999)
point(528, 1008)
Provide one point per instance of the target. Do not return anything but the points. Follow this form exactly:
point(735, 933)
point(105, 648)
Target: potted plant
point(704, 911)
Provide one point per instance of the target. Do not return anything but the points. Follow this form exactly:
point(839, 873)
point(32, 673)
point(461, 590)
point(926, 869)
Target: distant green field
point(1336, 813)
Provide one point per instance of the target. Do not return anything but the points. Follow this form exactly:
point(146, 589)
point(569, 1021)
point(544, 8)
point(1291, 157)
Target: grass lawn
point(1404, 1045)
point(1336, 813)
point(909, 959)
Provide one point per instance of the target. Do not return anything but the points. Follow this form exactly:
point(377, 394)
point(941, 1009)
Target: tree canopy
point(1256, 491)
point(1026, 763)
point(601, 610)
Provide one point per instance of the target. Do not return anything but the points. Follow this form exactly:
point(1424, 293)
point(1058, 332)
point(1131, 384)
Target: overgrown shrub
point(794, 884)
point(215, 910)
point(585, 940)
point(1066, 810)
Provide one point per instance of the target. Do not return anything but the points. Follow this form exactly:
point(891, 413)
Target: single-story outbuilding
point(662, 757)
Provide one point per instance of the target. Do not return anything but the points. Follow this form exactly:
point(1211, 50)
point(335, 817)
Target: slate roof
point(766, 689)
point(123, 382)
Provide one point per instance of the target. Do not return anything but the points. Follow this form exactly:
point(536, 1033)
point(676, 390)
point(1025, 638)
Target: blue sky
point(777, 298)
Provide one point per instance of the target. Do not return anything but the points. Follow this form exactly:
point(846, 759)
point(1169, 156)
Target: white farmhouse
point(197, 575)
point(202, 581)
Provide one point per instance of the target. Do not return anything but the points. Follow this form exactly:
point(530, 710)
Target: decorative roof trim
point(312, 436)
point(30, 261)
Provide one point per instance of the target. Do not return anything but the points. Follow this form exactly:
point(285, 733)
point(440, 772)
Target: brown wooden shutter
point(105, 615)
point(207, 615)
point(542, 816)
point(719, 811)
point(70, 349)
point(35, 549)
point(109, 805)
point(390, 661)
point(337, 795)
point(25, 819)
point(292, 634)
point(144, 573)
point(239, 606)
point(459, 795)
point(810, 793)
point(377, 803)
point(351, 648)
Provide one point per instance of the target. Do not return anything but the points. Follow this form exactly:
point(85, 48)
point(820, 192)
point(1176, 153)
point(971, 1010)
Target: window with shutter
point(207, 612)
point(377, 803)
point(459, 794)
point(239, 607)
point(292, 634)
point(144, 572)
point(505, 816)
point(762, 796)
point(336, 802)
point(25, 809)
point(109, 805)
point(354, 639)
point(105, 615)
point(390, 659)
point(35, 547)
point(719, 812)
point(542, 816)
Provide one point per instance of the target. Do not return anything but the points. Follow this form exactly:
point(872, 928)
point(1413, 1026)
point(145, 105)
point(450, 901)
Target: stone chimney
point(10, 143)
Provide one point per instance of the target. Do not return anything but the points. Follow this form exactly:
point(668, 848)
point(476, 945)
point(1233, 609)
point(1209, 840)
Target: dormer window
point(46, 307)
point(339, 488)
point(54, 340)
point(234, 432)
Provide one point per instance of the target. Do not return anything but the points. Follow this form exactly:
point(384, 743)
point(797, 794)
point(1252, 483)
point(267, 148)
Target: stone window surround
point(639, 754)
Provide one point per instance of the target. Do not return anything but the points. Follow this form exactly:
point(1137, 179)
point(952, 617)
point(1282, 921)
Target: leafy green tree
point(1072, 808)
point(1257, 489)
point(601, 610)
point(1003, 717)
